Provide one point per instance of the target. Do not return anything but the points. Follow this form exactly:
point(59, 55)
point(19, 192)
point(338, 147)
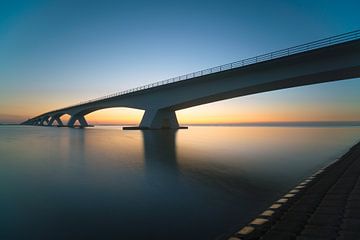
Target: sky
point(58, 53)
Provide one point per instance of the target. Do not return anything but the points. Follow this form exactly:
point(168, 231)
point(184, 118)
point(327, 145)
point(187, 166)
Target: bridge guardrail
point(342, 38)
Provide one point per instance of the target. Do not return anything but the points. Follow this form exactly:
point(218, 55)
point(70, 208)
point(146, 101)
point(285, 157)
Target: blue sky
point(57, 53)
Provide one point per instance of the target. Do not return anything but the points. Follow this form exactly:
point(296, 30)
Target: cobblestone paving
point(324, 206)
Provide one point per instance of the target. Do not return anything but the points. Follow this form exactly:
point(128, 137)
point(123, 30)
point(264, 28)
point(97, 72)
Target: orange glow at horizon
point(219, 113)
point(231, 114)
point(115, 116)
point(309, 103)
point(227, 112)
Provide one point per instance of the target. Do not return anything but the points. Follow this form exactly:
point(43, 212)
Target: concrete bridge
point(331, 59)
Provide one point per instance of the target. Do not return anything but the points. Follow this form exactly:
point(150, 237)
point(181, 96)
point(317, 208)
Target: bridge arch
point(118, 113)
point(58, 119)
point(114, 115)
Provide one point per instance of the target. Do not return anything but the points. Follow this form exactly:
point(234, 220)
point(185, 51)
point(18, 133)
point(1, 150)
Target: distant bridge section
point(330, 59)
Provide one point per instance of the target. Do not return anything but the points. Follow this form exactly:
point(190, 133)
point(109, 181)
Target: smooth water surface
point(105, 183)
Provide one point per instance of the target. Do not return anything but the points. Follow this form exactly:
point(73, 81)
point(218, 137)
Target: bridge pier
point(77, 117)
point(44, 120)
point(37, 122)
point(159, 119)
point(57, 119)
point(33, 122)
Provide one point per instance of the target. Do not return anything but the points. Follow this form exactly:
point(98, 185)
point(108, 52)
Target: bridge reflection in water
point(160, 151)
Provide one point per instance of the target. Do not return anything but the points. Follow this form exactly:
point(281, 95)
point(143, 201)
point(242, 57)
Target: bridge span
point(330, 59)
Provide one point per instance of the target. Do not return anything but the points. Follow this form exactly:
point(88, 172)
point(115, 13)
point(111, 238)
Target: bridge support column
point(44, 120)
point(36, 122)
point(159, 119)
point(80, 118)
point(57, 119)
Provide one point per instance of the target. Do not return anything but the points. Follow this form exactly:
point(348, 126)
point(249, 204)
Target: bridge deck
point(324, 206)
point(322, 43)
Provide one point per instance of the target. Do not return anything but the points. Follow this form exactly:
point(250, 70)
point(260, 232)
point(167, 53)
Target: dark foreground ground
point(324, 206)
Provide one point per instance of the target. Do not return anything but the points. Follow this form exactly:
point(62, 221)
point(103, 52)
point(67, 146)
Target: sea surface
point(106, 183)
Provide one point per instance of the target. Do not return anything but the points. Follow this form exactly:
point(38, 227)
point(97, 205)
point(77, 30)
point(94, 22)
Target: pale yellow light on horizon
point(217, 113)
point(231, 113)
point(115, 116)
point(249, 109)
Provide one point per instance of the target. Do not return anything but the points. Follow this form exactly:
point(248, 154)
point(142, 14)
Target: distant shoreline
point(287, 124)
point(266, 124)
point(254, 124)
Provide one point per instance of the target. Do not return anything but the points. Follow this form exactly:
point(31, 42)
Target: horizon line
point(265, 123)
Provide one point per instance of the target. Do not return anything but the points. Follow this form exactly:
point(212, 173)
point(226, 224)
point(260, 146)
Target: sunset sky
point(58, 53)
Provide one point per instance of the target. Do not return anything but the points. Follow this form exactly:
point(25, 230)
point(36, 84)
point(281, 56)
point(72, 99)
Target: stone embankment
point(324, 206)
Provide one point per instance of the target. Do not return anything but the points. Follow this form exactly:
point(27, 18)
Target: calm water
point(105, 183)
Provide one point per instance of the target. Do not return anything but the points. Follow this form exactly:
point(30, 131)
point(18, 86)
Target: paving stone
point(261, 224)
point(320, 187)
point(282, 200)
point(248, 232)
point(297, 191)
point(348, 185)
point(309, 197)
point(330, 210)
point(234, 238)
point(335, 197)
point(352, 214)
point(313, 191)
point(271, 215)
point(275, 235)
point(302, 208)
point(352, 205)
point(289, 226)
point(319, 231)
point(350, 224)
point(354, 195)
point(289, 195)
point(332, 203)
point(348, 235)
point(312, 238)
point(355, 192)
point(294, 216)
point(349, 176)
point(342, 189)
point(277, 206)
point(324, 220)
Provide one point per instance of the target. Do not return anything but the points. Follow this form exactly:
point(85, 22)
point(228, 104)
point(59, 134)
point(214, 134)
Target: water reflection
point(160, 152)
point(104, 183)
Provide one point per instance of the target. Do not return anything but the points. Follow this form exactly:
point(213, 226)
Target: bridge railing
point(342, 38)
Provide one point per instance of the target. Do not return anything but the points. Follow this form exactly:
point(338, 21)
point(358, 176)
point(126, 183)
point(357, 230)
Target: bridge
point(330, 59)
